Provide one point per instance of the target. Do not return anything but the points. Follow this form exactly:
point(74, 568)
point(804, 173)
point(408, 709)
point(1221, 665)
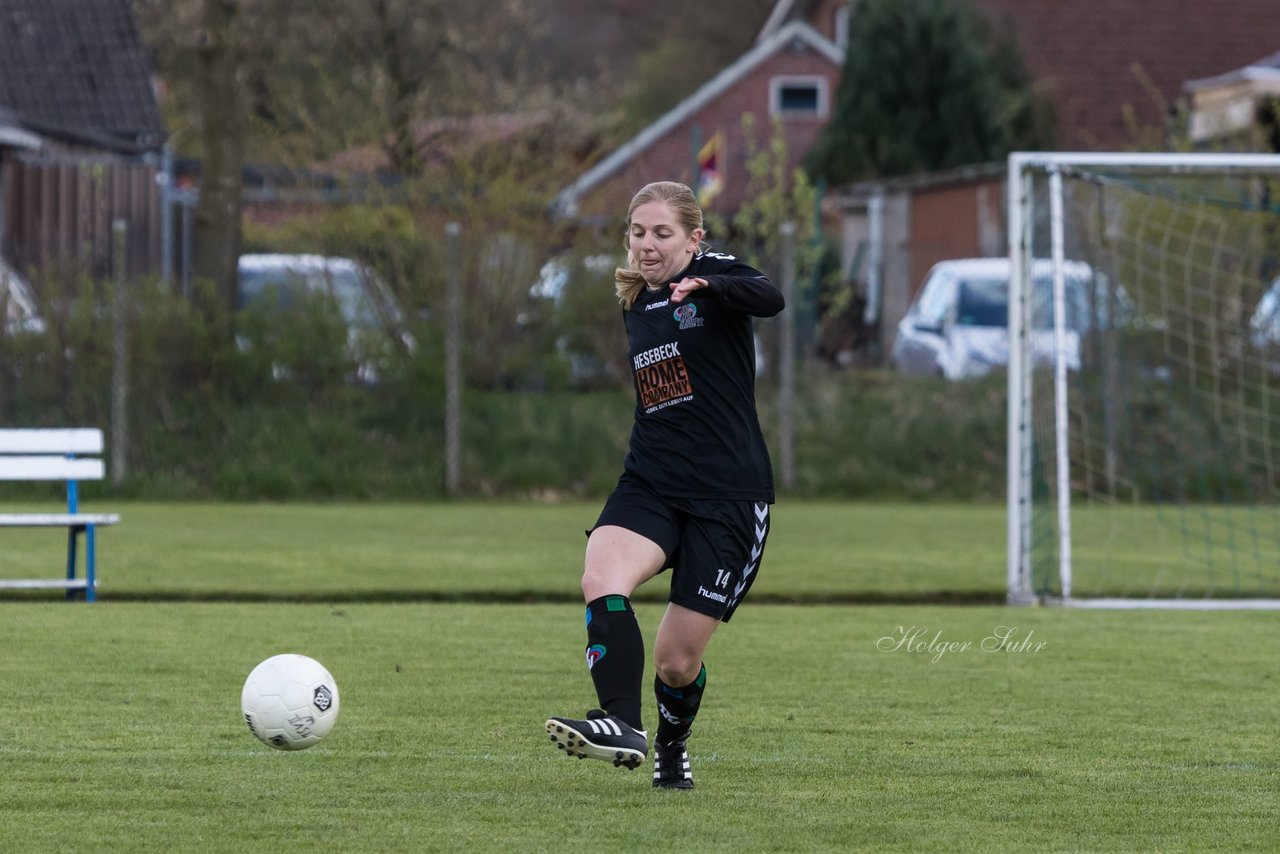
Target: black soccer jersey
point(696, 433)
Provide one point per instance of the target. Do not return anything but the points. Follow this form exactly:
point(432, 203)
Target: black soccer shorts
point(713, 547)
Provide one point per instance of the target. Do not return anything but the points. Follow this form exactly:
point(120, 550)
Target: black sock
point(677, 707)
point(615, 656)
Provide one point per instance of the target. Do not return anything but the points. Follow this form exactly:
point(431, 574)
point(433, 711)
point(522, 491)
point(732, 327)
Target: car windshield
point(284, 285)
point(1077, 302)
point(985, 302)
point(935, 301)
point(355, 303)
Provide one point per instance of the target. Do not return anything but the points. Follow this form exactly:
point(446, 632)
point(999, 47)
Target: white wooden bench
point(69, 455)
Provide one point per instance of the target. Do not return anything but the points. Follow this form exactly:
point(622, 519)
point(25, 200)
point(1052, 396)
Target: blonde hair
point(627, 281)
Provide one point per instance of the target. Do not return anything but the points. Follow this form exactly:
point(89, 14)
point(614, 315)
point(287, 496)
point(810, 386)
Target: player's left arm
point(740, 287)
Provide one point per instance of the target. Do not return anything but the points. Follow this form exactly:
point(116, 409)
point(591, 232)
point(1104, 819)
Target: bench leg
point(73, 532)
point(90, 568)
point(90, 560)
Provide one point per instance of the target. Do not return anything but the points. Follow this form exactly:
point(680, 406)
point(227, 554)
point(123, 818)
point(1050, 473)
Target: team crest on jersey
point(688, 316)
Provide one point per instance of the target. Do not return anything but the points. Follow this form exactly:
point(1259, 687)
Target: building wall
point(949, 223)
point(60, 209)
point(923, 225)
point(672, 156)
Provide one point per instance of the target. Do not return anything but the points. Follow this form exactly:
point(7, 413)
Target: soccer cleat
point(600, 736)
point(671, 766)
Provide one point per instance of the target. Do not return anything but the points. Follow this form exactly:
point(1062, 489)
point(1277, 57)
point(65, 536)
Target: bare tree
point(217, 219)
point(425, 59)
point(327, 76)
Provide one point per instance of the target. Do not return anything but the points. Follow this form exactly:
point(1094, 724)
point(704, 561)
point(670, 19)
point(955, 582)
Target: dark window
point(798, 98)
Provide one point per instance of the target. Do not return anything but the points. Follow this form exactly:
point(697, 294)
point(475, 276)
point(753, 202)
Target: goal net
point(1144, 380)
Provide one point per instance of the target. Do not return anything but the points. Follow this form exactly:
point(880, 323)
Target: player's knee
point(590, 583)
point(676, 667)
point(597, 582)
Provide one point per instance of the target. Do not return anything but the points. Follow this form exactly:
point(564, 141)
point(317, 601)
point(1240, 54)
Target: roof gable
point(777, 17)
point(796, 31)
point(1266, 69)
point(76, 70)
point(819, 14)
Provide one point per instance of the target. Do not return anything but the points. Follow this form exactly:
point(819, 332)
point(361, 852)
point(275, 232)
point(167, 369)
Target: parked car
point(587, 368)
point(958, 325)
point(276, 283)
point(1264, 325)
point(555, 274)
point(17, 302)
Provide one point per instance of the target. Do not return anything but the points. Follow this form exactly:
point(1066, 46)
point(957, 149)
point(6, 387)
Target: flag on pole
point(710, 180)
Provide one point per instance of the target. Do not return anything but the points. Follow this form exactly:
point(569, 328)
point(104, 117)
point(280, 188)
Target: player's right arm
point(743, 288)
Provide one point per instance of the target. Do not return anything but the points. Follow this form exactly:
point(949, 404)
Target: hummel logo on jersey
point(660, 304)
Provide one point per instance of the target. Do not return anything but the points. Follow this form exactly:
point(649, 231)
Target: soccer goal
point(1144, 380)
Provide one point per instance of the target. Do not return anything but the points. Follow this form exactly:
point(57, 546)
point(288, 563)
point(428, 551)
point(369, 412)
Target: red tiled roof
point(1100, 56)
point(1095, 58)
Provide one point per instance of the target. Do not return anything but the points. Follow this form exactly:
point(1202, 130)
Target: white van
point(1264, 324)
point(958, 325)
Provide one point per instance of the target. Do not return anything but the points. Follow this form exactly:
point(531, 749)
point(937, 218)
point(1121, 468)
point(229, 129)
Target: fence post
point(453, 362)
point(875, 273)
point(165, 179)
point(787, 358)
point(119, 351)
point(188, 243)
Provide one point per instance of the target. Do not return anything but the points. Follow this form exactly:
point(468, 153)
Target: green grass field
point(826, 727)
point(413, 552)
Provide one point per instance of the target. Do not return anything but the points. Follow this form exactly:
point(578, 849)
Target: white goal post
point(1144, 394)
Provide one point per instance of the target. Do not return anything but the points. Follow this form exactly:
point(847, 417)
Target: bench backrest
point(51, 454)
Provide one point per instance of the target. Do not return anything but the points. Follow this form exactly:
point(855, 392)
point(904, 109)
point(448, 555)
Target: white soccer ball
point(290, 701)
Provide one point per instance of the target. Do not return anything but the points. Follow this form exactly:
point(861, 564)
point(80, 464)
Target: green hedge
point(213, 420)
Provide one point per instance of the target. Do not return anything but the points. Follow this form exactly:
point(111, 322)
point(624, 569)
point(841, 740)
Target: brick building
point(790, 75)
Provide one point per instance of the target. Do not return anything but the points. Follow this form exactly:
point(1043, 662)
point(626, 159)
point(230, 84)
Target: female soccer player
point(696, 486)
